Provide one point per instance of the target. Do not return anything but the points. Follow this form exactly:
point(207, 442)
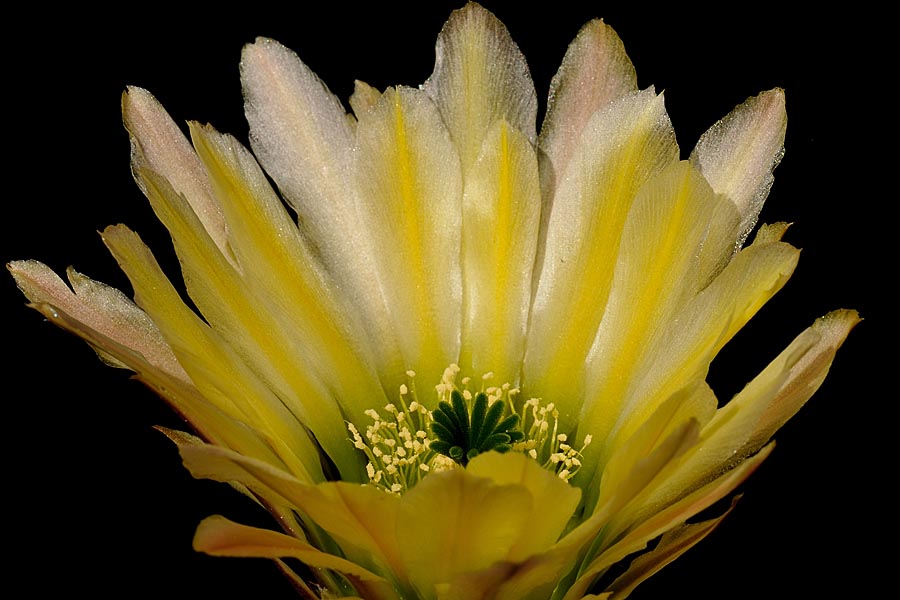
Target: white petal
point(157, 144)
point(594, 72)
point(300, 134)
point(364, 97)
point(304, 139)
point(480, 76)
point(104, 309)
point(738, 154)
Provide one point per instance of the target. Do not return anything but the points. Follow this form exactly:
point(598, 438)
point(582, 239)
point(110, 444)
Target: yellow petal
point(410, 173)
point(252, 327)
point(480, 77)
point(800, 374)
point(673, 544)
point(686, 345)
point(669, 432)
point(656, 274)
point(303, 138)
point(501, 214)
point(214, 367)
point(623, 146)
point(553, 500)
point(209, 421)
point(275, 263)
point(453, 523)
point(750, 419)
point(361, 518)
point(640, 528)
point(218, 536)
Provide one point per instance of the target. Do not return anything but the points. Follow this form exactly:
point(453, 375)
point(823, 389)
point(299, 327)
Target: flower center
point(414, 441)
point(462, 435)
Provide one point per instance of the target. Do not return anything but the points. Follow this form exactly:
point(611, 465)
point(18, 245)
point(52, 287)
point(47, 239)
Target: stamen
point(413, 442)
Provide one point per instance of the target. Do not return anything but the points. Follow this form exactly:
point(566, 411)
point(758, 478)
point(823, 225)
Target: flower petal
point(673, 544)
point(412, 205)
point(184, 398)
point(595, 72)
point(278, 267)
point(657, 272)
point(453, 523)
point(158, 145)
point(657, 521)
point(553, 500)
point(622, 147)
point(302, 136)
point(103, 309)
point(364, 97)
point(753, 416)
point(683, 350)
point(248, 323)
point(738, 154)
point(219, 374)
point(300, 133)
point(501, 214)
point(361, 518)
point(218, 536)
point(479, 77)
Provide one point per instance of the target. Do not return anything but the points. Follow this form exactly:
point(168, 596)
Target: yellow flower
point(442, 237)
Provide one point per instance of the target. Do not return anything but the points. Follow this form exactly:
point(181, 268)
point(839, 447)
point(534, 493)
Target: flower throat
point(413, 441)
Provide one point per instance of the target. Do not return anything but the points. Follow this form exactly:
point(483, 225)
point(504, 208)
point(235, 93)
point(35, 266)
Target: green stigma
point(463, 434)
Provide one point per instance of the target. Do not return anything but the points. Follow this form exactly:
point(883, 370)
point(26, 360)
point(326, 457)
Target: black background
point(96, 500)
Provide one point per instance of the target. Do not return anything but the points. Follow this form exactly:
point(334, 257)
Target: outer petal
point(738, 154)
point(158, 145)
point(683, 350)
point(223, 378)
point(452, 523)
point(639, 534)
point(594, 73)
point(218, 536)
point(752, 417)
point(409, 173)
point(656, 273)
point(554, 500)
point(480, 77)
point(300, 133)
point(211, 422)
point(501, 214)
point(673, 544)
point(100, 307)
point(364, 97)
point(622, 147)
point(360, 518)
